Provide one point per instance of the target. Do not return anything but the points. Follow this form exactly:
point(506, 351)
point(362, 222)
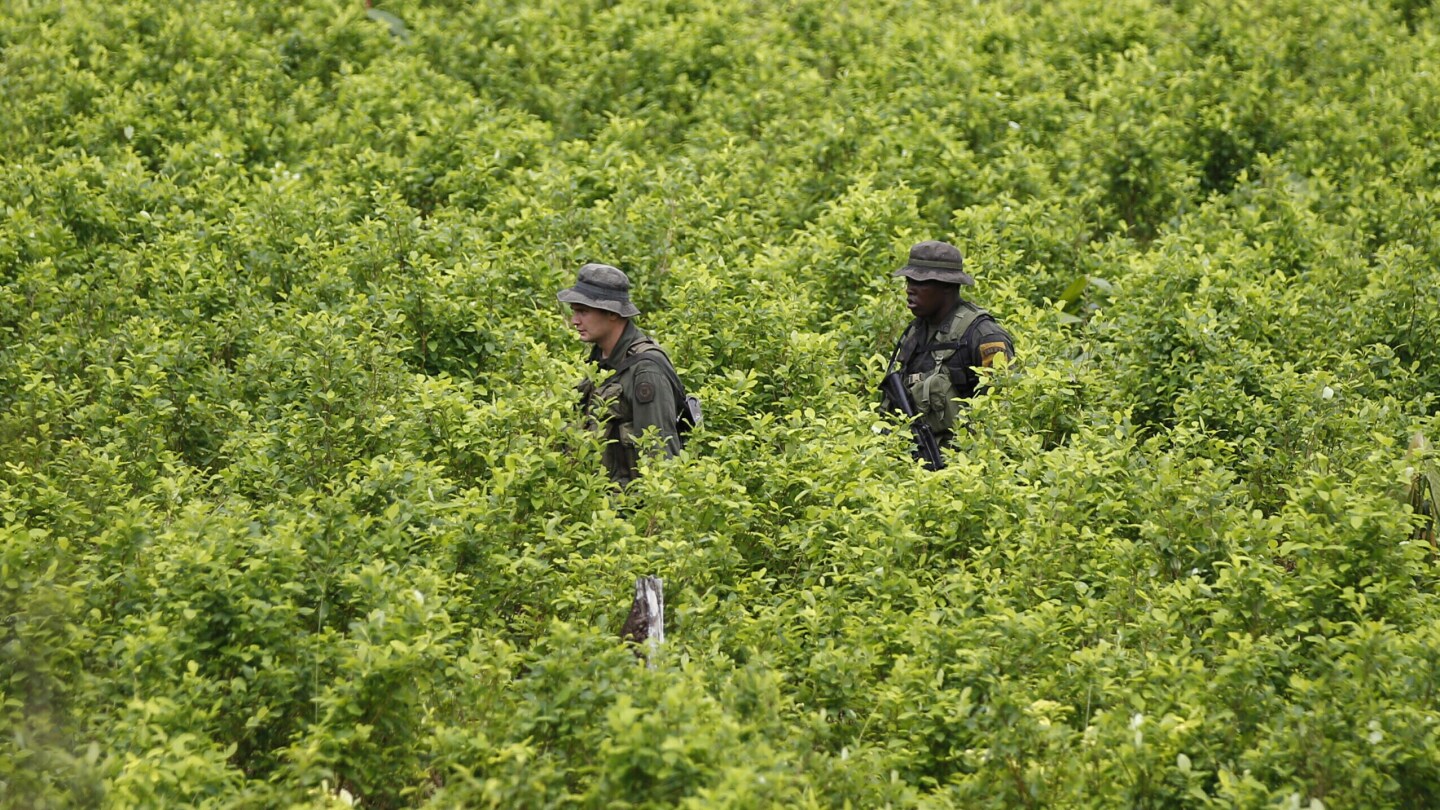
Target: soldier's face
point(595, 325)
point(926, 299)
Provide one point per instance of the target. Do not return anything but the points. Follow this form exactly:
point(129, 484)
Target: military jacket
point(939, 362)
point(638, 390)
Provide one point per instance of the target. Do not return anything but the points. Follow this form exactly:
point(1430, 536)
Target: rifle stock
point(893, 387)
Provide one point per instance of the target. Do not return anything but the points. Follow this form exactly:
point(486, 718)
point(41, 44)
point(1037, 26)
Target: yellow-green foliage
point(292, 511)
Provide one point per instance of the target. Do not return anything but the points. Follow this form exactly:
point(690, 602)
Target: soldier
point(641, 391)
point(949, 338)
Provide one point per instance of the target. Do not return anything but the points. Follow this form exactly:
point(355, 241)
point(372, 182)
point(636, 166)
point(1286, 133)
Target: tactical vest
point(616, 414)
point(607, 413)
point(950, 351)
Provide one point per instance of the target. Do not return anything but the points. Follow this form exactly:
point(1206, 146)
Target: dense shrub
point(293, 507)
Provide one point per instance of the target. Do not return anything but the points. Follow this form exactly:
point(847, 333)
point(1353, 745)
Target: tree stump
point(645, 626)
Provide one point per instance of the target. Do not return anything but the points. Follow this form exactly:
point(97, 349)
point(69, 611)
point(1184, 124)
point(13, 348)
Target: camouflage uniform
point(939, 357)
point(638, 389)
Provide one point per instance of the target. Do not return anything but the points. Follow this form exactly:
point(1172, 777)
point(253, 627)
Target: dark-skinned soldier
point(639, 389)
point(948, 339)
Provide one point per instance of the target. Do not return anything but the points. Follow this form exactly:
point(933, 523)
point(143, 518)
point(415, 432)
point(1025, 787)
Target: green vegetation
point(289, 503)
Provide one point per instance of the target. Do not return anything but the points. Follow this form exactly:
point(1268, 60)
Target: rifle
point(893, 387)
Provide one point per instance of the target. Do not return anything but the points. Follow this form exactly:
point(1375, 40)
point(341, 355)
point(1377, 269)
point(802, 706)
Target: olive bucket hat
point(602, 287)
point(936, 261)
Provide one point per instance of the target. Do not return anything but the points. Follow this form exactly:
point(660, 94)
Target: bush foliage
point(292, 508)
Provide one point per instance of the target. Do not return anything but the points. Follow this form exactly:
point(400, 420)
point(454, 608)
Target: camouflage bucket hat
point(602, 287)
point(936, 261)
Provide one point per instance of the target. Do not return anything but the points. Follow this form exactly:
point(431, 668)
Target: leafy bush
point(293, 510)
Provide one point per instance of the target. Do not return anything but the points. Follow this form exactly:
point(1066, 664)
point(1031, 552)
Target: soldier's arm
point(653, 405)
point(992, 345)
point(993, 349)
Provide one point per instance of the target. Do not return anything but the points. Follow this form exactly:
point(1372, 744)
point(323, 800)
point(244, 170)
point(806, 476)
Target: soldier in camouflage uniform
point(949, 338)
point(639, 390)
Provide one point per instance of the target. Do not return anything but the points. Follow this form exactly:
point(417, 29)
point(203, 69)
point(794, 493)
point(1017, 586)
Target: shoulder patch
point(989, 350)
point(645, 392)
